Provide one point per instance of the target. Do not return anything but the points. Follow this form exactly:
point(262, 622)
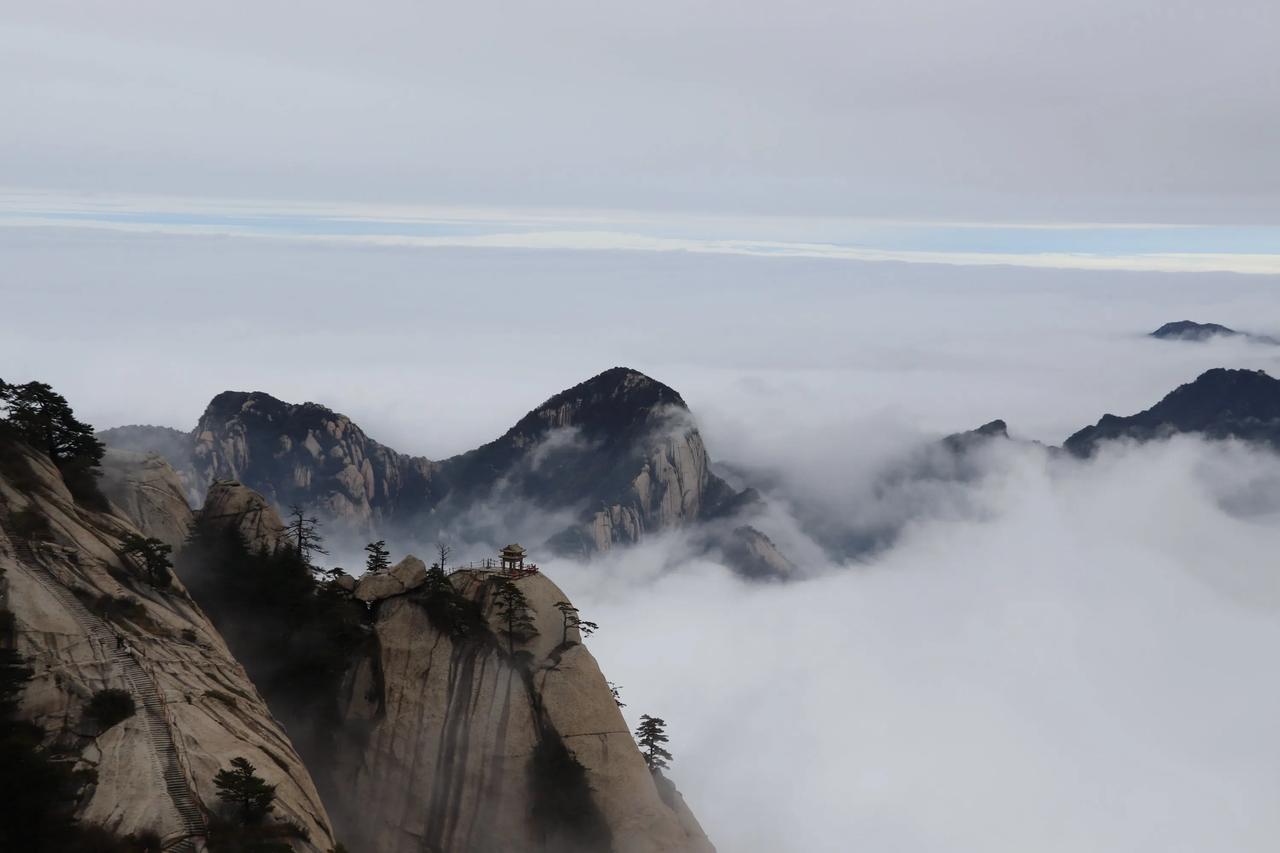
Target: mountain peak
point(1189, 330)
point(623, 384)
point(1219, 403)
point(610, 405)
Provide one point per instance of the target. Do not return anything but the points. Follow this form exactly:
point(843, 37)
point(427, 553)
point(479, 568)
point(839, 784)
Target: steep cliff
point(88, 620)
point(455, 744)
point(620, 448)
point(172, 445)
point(149, 492)
point(309, 455)
point(428, 726)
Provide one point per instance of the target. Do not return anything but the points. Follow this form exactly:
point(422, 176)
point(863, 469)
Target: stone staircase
point(145, 692)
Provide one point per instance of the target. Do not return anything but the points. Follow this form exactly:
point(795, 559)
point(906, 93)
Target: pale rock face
point(411, 572)
point(451, 727)
point(214, 711)
point(149, 492)
point(668, 492)
point(375, 587)
point(256, 519)
point(304, 454)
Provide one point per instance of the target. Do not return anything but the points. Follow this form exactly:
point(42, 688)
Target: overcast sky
point(1089, 110)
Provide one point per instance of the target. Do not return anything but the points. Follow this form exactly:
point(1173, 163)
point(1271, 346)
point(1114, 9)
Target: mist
point(434, 352)
point(1077, 656)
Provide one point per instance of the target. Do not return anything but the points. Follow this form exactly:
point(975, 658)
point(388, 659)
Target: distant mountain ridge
point(1220, 403)
point(1189, 330)
point(613, 458)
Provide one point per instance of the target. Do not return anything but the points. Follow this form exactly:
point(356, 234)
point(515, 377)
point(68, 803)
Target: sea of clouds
point(1077, 656)
point(1033, 653)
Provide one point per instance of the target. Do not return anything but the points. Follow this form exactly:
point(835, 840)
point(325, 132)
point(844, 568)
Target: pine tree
point(379, 559)
point(444, 551)
point(39, 416)
point(573, 619)
point(154, 555)
point(42, 418)
point(651, 734)
point(304, 531)
point(513, 609)
point(241, 788)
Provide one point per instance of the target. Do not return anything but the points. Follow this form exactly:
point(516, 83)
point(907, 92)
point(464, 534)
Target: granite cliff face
point(446, 735)
point(1220, 403)
point(308, 455)
point(172, 445)
point(621, 448)
point(614, 458)
point(457, 745)
point(87, 620)
point(149, 493)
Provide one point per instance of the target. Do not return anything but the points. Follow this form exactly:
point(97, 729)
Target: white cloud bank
point(1133, 247)
point(1084, 663)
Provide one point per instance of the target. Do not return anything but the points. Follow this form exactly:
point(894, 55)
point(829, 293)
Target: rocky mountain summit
point(88, 620)
point(1189, 330)
point(1220, 403)
point(609, 460)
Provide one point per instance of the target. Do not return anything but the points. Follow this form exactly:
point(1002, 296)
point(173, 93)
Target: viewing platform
point(510, 563)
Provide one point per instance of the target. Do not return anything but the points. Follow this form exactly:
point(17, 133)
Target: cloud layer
point(1077, 660)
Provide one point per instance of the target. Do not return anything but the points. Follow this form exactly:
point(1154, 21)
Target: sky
point(840, 230)
point(978, 112)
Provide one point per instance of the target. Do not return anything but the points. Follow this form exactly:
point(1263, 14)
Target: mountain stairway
point(141, 685)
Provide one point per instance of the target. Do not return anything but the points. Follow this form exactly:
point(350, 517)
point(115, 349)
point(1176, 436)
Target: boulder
point(345, 582)
point(378, 586)
point(229, 503)
point(411, 572)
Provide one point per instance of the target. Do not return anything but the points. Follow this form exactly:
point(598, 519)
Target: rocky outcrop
point(87, 620)
point(170, 444)
point(962, 442)
point(457, 745)
point(230, 503)
point(308, 455)
point(1220, 403)
point(149, 492)
point(755, 555)
point(619, 455)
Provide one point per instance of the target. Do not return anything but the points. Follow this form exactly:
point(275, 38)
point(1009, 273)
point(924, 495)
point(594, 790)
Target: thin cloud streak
point(309, 224)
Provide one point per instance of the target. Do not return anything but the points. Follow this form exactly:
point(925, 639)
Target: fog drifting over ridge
point(1079, 661)
point(759, 347)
